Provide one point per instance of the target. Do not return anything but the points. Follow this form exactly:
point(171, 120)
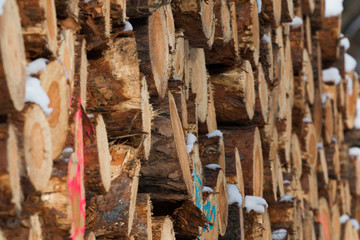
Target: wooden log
point(179, 57)
point(12, 196)
point(335, 221)
point(53, 81)
point(12, 61)
point(81, 72)
point(328, 38)
point(162, 228)
point(318, 15)
point(248, 31)
point(210, 124)
point(251, 154)
point(98, 158)
point(124, 107)
point(308, 35)
point(261, 110)
point(153, 37)
point(308, 7)
point(25, 228)
point(284, 129)
point(287, 11)
point(253, 225)
point(67, 12)
point(324, 218)
point(309, 228)
point(283, 215)
point(199, 81)
point(309, 147)
point(297, 46)
point(333, 161)
point(354, 176)
point(351, 93)
point(212, 151)
point(233, 168)
point(198, 21)
point(39, 27)
point(328, 119)
point(322, 169)
point(288, 73)
point(235, 227)
point(142, 225)
point(270, 12)
point(111, 215)
point(308, 78)
point(317, 113)
point(309, 188)
point(235, 94)
point(168, 161)
point(67, 56)
point(296, 159)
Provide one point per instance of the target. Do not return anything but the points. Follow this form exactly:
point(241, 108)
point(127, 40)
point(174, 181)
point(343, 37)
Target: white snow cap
point(354, 152)
point(216, 133)
point(333, 8)
point(234, 195)
point(190, 140)
point(324, 96)
point(333, 139)
point(176, 78)
point(279, 234)
point(307, 120)
point(355, 223)
point(357, 118)
point(87, 1)
point(90, 115)
point(128, 26)
point(344, 42)
point(2, 4)
point(36, 66)
point(259, 5)
point(286, 182)
point(350, 63)
point(255, 203)
point(344, 218)
point(349, 84)
point(266, 38)
point(207, 189)
point(296, 22)
point(320, 145)
point(213, 166)
point(287, 198)
point(34, 93)
point(68, 150)
point(331, 75)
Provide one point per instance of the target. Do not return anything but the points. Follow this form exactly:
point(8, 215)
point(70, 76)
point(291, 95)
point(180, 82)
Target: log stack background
point(158, 126)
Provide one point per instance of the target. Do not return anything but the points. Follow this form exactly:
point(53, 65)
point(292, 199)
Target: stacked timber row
point(183, 119)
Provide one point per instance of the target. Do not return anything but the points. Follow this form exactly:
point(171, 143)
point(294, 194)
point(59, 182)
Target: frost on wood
point(35, 94)
point(2, 3)
point(127, 26)
point(350, 63)
point(266, 38)
point(333, 8)
point(207, 189)
point(296, 22)
point(287, 198)
point(36, 66)
point(357, 118)
point(331, 75)
point(355, 223)
point(213, 166)
point(257, 204)
point(190, 140)
point(344, 218)
point(279, 234)
point(344, 42)
point(354, 152)
point(216, 133)
point(349, 85)
point(234, 195)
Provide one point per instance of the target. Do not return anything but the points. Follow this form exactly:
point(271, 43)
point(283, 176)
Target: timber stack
point(182, 119)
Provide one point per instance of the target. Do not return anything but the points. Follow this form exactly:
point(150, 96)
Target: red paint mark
point(74, 184)
point(322, 219)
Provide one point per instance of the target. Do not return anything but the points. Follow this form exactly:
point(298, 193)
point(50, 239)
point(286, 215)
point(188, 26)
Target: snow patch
point(279, 234)
point(216, 133)
point(350, 63)
point(190, 140)
point(255, 203)
point(331, 75)
point(307, 120)
point(90, 115)
point(259, 5)
point(357, 118)
point(2, 4)
point(212, 166)
point(207, 189)
point(266, 38)
point(354, 152)
point(176, 78)
point(35, 93)
point(333, 8)
point(349, 84)
point(320, 145)
point(287, 198)
point(128, 26)
point(334, 140)
point(324, 96)
point(36, 66)
point(68, 150)
point(355, 223)
point(344, 42)
point(296, 22)
point(344, 218)
point(286, 182)
point(234, 195)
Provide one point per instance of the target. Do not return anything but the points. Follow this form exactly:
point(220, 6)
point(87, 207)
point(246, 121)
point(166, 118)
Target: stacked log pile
point(200, 119)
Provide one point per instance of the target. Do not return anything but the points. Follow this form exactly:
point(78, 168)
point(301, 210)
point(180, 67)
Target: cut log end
point(162, 228)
